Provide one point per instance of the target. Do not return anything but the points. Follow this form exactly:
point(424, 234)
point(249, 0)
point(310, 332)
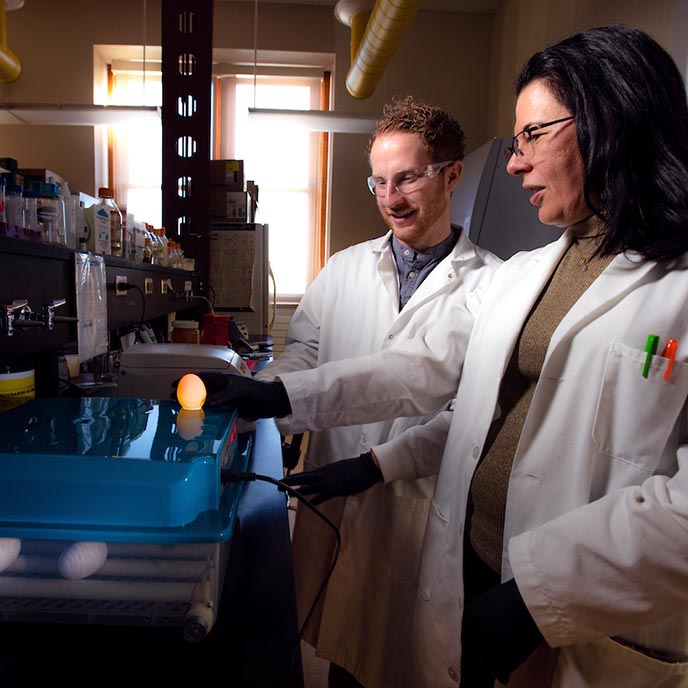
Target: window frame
point(223, 147)
point(109, 59)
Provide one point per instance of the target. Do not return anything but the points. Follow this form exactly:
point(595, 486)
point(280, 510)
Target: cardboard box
point(232, 206)
point(229, 173)
point(9, 164)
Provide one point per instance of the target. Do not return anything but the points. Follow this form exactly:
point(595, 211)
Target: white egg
point(82, 559)
point(9, 551)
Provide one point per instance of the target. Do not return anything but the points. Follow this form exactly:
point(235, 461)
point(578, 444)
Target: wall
point(443, 59)
point(521, 27)
point(465, 63)
point(54, 42)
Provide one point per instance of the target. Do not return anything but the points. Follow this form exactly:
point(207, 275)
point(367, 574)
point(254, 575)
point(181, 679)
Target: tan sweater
point(576, 271)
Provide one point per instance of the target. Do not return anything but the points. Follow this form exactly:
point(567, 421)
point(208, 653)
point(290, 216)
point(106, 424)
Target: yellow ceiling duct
point(10, 64)
point(373, 50)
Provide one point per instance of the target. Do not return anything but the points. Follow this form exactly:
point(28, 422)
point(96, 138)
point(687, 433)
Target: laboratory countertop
point(254, 643)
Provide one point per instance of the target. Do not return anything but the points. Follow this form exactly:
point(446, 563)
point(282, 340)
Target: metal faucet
point(8, 315)
point(18, 314)
point(50, 317)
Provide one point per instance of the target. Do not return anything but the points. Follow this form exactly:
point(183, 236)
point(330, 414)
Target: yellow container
point(16, 388)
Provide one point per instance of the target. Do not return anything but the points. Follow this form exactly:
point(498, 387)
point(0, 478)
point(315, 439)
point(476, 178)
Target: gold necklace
point(581, 258)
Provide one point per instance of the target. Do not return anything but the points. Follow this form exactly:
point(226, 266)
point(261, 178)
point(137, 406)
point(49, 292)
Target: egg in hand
point(191, 392)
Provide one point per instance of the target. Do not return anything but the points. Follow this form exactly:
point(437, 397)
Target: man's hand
point(499, 632)
point(252, 398)
point(338, 479)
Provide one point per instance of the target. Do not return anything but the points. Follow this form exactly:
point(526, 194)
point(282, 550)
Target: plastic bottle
point(150, 237)
point(3, 196)
point(129, 234)
point(147, 251)
point(164, 242)
point(138, 240)
point(70, 215)
point(82, 228)
point(172, 255)
point(14, 205)
point(107, 199)
point(156, 245)
point(50, 212)
point(31, 210)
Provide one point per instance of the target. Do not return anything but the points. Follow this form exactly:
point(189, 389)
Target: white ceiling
point(437, 5)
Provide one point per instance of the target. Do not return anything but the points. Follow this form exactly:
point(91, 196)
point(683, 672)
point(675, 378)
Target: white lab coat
point(352, 358)
point(596, 530)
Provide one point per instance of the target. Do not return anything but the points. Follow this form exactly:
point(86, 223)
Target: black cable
point(143, 305)
point(127, 286)
point(228, 476)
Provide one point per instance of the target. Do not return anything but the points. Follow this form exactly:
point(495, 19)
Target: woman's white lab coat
point(596, 530)
point(352, 358)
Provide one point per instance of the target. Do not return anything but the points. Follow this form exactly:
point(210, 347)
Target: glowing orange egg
point(190, 423)
point(191, 392)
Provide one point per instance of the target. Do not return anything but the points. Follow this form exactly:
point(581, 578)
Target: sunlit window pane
point(144, 146)
point(139, 149)
point(144, 202)
point(278, 160)
point(288, 238)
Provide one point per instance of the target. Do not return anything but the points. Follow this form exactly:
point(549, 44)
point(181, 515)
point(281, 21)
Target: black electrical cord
point(229, 476)
point(127, 286)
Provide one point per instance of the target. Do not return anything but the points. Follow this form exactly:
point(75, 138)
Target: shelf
point(42, 273)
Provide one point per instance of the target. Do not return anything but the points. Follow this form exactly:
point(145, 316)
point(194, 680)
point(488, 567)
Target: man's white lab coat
point(352, 358)
point(596, 530)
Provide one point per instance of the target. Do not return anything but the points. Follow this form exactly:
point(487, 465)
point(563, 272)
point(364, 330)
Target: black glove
point(338, 479)
point(499, 632)
point(252, 398)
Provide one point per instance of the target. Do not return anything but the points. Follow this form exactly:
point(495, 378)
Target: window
point(283, 162)
point(288, 165)
point(137, 148)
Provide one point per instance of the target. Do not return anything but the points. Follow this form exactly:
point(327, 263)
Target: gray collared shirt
point(413, 267)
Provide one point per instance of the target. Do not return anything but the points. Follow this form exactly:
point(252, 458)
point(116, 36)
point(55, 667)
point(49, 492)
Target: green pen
point(651, 350)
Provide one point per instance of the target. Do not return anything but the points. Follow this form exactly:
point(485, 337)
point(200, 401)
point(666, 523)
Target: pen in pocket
point(670, 353)
point(650, 350)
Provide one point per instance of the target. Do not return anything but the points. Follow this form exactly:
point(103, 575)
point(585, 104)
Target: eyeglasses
point(407, 181)
point(527, 134)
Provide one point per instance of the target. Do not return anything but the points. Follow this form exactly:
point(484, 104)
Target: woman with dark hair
point(632, 132)
point(556, 550)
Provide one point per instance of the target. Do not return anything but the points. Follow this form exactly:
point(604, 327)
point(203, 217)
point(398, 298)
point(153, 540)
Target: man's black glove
point(338, 479)
point(252, 398)
point(499, 632)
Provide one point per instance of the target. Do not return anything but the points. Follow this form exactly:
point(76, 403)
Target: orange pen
point(670, 353)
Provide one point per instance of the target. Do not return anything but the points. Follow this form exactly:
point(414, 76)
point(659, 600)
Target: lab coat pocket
point(635, 415)
point(613, 665)
point(399, 535)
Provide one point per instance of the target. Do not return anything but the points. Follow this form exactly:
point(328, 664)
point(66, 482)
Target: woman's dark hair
point(629, 102)
point(442, 135)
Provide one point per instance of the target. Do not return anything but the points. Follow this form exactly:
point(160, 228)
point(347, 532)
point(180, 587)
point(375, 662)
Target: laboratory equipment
point(113, 511)
point(150, 369)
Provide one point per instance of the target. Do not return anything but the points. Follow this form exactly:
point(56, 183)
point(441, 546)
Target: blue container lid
point(116, 470)
point(46, 189)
